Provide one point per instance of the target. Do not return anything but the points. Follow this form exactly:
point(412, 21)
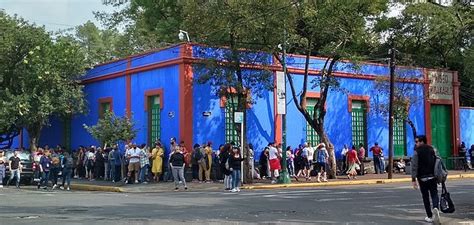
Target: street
point(371, 204)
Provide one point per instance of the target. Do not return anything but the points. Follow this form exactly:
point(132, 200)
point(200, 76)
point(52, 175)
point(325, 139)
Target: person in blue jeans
point(67, 170)
point(45, 166)
point(235, 160)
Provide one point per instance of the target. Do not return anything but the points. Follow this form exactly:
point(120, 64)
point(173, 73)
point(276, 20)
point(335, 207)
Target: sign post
point(239, 118)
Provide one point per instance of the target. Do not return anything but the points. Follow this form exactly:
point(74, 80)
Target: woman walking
point(353, 163)
point(235, 166)
point(157, 161)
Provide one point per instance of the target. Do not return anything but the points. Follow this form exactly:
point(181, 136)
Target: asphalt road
point(373, 204)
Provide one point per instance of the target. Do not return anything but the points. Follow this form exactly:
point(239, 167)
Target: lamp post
point(284, 176)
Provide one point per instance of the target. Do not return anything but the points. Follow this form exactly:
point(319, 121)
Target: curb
point(352, 182)
point(88, 187)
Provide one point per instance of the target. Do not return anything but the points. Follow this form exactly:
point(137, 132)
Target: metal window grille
point(312, 136)
point(104, 107)
point(230, 128)
point(154, 119)
point(399, 137)
point(359, 123)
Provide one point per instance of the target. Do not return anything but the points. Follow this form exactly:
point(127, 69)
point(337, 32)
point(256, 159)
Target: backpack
point(68, 162)
point(440, 171)
point(197, 154)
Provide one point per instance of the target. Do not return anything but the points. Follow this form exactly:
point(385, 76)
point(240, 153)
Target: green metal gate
point(230, 132)
point(359, 123)
point(441, 130)
point(154, 119)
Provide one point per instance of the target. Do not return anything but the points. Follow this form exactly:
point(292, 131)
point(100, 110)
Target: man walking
point(15, 169)
point(378, 164)
point(423, 163)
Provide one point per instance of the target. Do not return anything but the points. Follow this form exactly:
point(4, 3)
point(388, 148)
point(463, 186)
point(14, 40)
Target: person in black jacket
point(235, 166)
point(423, 163)
point(177, 167)
point(99, 166)
point(225, 166)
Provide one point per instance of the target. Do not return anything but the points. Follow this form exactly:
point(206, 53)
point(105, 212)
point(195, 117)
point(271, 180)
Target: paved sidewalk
point(108, 186)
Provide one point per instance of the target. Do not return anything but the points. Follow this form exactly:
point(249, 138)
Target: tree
point(238, 70)
point(111, 129)
point(433, 36)
point(336, 30)
point(39, 76)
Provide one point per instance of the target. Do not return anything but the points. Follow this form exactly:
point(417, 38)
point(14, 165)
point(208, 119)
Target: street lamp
point(182, 34)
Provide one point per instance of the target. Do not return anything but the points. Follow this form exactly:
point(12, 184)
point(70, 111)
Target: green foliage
point(39, 77)
point(110, 129)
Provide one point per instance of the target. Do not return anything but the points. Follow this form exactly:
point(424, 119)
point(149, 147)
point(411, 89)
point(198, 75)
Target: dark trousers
point(428, 188)
point(117, 173)
point(54, 173)
point(195, 168)
point(377, 164)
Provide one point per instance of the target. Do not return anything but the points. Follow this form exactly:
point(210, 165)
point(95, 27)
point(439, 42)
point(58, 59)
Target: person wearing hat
point(378, 163)
point(322, 156)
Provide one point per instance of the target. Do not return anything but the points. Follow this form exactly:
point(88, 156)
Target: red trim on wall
point(456, 120)
point(364, 98)
point(154, 92)
point(278, 118)
point(311, 94)
point(426, 88)
point(466, 107)
point(186, 99)
point(128, 89)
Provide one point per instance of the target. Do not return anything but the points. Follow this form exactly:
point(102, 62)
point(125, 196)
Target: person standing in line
point(344, 151)
point(353, 163)
point(99, 166)
point(144, 164)
point(89, 160)
point(111, 163)
point(157, 161)
point(67, 170)
point(290, 161)
point(263, 161)
point(422, 170)
point(322, 159)
point(224, 157)
point(177, 164)
point(377, 151)
point(3, 162)
point(306, 162)
point(55, 169)
point(45, 166)
point(274, 158)
point(80, 170)
point(235, 166)
point(133, 156)
point(208, 157)
point(105, 155)
point(361, 155)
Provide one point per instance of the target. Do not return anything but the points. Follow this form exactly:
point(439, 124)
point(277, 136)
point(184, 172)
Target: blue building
point(157, 90)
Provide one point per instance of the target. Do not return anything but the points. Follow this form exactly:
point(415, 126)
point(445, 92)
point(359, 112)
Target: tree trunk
point(34, 132)
point(412, 125)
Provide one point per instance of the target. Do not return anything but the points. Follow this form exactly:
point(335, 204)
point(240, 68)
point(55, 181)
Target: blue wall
point(467, 126)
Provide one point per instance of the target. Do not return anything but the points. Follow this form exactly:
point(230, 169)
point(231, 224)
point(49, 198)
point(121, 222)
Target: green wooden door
point(441, 131)
point(399, 138)
point(230, 132)
point(359, 123)
point(312, 137)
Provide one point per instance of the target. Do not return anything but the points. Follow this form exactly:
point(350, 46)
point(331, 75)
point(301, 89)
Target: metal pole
point(242, 149)
point(284, 176)
point(390, 113)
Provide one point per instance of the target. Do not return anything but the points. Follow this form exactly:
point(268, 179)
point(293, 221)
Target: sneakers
point(185, 188)
point(136, 181)
point(233, 190)
point(55, 186)
point(68, 188)
point(176, 189)
point(1, 186)
point(238, 189)
point(62, 188)
point(144, 182)
point(274, 182)
point(429, 220)
point(435, 218)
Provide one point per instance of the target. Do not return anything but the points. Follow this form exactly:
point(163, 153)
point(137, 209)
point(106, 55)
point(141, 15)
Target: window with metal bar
point(399, 137)
point(230, 128)
point(312, 137)
point(154, 119)
point(104, 107)
point(359, 123)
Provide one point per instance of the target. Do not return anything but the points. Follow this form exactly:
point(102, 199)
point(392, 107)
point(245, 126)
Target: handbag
point(446, 204)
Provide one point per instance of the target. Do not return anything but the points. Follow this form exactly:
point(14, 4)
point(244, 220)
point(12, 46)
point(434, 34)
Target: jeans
point(2, 173)
point(235, 178)
point(106, 171)
point(290, 167)
point(228, 181)
point(54, 175)
point(378, 165)
point(144, 173)
point(44, 179)
point(15, 174)
point(427, 188)
point(178, 175)
point(67, 173)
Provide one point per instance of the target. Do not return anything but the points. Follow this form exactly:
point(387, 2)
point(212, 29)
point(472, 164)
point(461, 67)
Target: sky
point(55, 14)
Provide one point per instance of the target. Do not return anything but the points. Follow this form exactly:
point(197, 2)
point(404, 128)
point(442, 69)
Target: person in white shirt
point(133, 154)
point(344, 151)
point(274, 158)
point(310, 162)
